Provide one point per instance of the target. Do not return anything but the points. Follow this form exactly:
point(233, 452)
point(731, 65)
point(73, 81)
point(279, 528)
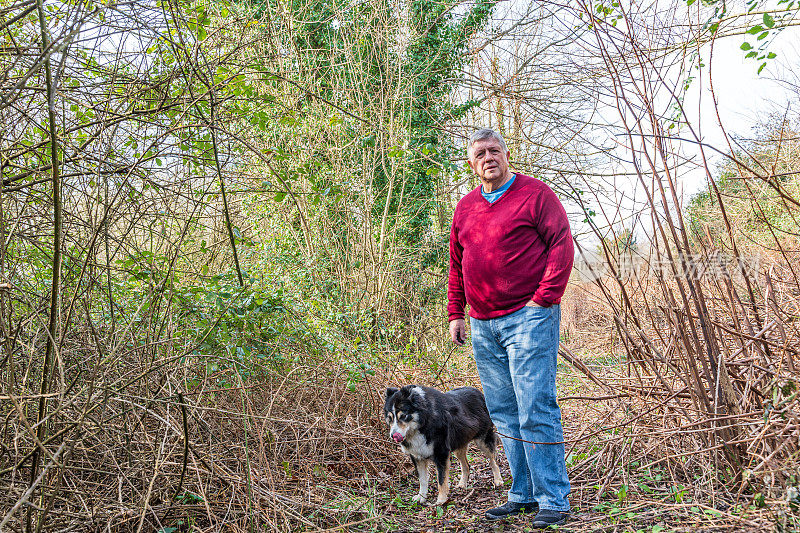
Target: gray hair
point(483, 134)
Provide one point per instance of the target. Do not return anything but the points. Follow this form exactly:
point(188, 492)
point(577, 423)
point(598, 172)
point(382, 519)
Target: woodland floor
point(384, 503)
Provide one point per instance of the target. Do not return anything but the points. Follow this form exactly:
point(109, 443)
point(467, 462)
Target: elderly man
point(510, 258)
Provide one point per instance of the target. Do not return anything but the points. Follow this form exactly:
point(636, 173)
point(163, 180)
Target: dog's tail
point(491, 439)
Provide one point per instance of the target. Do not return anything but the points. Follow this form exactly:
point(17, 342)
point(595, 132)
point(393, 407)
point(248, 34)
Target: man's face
point(488, 160)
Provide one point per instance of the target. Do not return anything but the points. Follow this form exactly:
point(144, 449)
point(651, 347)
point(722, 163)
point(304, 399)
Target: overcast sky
point(745, 97)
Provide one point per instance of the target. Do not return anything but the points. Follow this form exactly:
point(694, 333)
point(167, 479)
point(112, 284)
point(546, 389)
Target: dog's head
point(404, 411)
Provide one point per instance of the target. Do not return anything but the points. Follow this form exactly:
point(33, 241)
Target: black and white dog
point(429, 425)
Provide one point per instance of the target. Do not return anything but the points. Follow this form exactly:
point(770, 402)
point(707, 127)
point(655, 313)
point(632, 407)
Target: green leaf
point(762, 36)
point(764, 64)
point(755, 29)
point(772, 55)
point(280, 196)
point(746, 46)
point(769, 22)
point(759, 500)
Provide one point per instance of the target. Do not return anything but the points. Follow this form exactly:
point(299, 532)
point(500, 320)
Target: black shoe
point(509, 509)
point(547, 517)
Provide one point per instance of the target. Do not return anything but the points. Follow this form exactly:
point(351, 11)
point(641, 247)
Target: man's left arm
point(553, 227)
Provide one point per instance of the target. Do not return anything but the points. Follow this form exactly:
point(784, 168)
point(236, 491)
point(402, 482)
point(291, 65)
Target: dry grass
point(307, 450)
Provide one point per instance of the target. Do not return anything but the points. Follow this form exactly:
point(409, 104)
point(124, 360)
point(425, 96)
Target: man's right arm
point(456, 298)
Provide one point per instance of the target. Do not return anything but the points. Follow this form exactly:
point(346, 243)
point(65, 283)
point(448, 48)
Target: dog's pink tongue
point(397, 437)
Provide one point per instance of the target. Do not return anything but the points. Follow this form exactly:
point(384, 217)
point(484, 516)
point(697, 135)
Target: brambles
point(322, 141)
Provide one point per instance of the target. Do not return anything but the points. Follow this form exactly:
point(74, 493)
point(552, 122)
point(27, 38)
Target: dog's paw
point(497, 482)
point(462, 485)
point(441, 500)
point(419, 498)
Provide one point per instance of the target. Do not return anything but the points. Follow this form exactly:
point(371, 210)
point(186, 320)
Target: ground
point(391, 509)
point(644, 502)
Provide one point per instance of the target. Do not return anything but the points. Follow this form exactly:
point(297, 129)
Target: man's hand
point(458, 330)
point(531, 303)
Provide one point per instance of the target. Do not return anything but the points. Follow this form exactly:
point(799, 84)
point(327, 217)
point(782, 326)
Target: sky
point(745, 98)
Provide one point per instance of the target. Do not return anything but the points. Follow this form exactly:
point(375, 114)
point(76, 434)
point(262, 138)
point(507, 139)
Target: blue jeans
point(516, 358)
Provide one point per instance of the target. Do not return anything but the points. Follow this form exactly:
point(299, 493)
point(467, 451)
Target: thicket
point(705, 303)
point(223, 230)
point(217, 219)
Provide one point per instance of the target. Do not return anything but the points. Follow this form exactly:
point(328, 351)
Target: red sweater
point(505, 253)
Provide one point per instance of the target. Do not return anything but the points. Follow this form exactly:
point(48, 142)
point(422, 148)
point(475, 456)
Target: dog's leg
point(443, 476)
point(422, 472)
point(498, 480)
point(461, 454)
point(492, 456)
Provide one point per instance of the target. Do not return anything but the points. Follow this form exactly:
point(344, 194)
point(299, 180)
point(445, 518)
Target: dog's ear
point(390, 391)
